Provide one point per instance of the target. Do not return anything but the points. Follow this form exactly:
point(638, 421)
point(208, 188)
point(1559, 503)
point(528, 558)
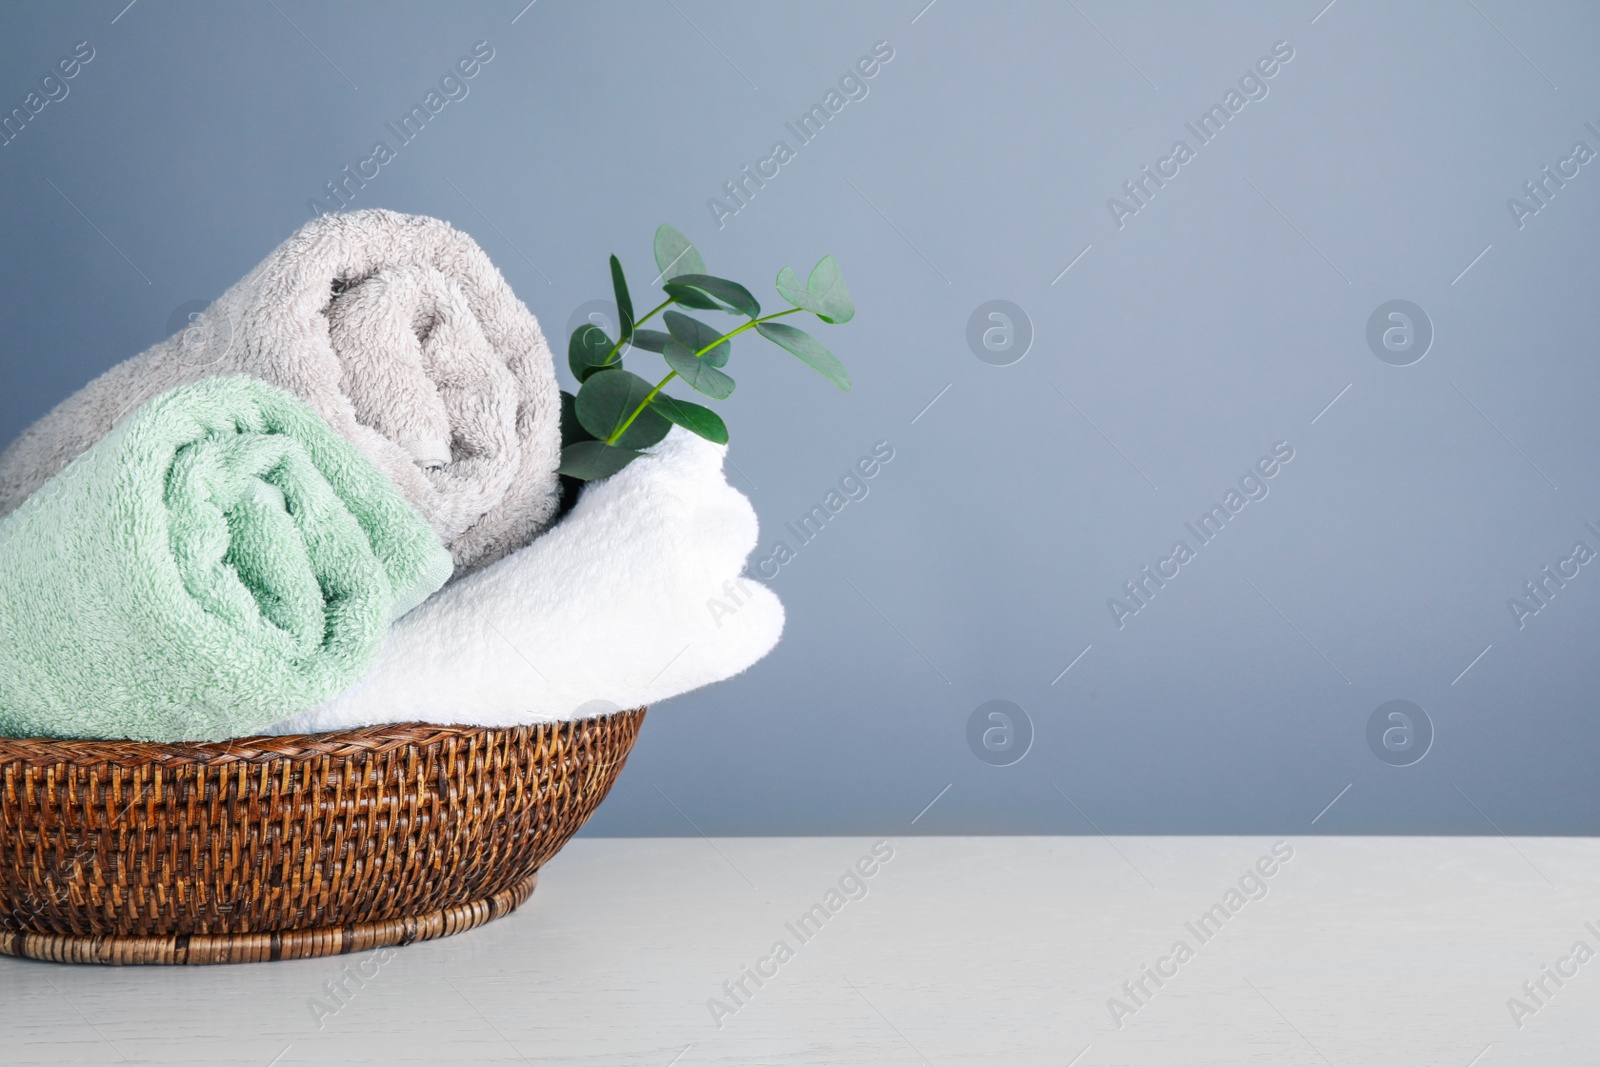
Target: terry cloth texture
point(633, 597)
point(218, 559)
point(400, 333)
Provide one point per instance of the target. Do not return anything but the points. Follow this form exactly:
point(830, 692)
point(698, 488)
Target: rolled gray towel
point(396, 329)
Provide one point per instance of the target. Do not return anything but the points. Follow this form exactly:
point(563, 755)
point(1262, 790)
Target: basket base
point(194, 949)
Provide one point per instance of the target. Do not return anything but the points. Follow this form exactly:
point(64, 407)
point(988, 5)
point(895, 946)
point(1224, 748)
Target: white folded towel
point(396, 329)
point(633, 597)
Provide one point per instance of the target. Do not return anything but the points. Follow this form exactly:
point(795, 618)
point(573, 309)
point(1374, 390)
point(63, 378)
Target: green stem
point(636, 325)
point(640, 409)
point(617, 435)
point(752, 324)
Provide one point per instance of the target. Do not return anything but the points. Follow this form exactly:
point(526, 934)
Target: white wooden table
point(963, 951)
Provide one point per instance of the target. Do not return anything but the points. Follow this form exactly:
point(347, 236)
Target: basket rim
point(263, 748)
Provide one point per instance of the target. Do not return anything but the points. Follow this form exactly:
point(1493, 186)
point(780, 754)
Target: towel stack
point(216, 534)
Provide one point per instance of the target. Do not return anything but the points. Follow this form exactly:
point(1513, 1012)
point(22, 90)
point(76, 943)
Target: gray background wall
point(1222, 318)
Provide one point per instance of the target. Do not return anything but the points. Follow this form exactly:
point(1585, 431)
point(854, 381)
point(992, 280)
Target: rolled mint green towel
point(220, 560)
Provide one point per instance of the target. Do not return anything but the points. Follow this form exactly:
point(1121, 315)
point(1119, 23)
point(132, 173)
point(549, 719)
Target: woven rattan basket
point(269, 848)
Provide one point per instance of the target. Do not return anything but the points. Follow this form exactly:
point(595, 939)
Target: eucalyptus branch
point(752, 324)
point(615, 413)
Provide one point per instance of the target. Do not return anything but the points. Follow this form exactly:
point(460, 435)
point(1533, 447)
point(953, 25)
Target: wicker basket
point(269, 848)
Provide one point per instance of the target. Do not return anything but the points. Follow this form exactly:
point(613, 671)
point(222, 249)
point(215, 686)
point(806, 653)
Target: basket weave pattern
point(281, 847)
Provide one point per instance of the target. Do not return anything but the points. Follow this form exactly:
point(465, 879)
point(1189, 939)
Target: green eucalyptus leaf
point(702, 376)
point(675, 255)
point(824, 294)
point(808, 348)
point(692, 417)
point(692, 298)
point(590, 460)
point(586, 354)
point(651, 340)
point(826, 286)
point(792, 289)
point(619, 286)
point(650, 427)
point(726, 295)
point(695, 335)
point(607, 399)
point(572, 430)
